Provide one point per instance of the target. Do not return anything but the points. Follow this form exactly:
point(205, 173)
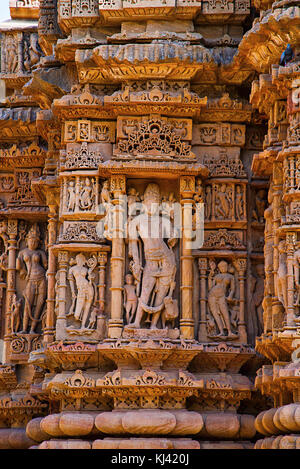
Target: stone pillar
point(202, 334)
point(102, 260)
point(291, 239)
point(241, 266)
point(52, 232)
point(187, 189)
point(12, 231)
point(61, 320)
point(115, 324)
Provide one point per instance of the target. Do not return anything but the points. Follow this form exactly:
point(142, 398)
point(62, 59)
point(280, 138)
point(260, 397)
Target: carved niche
point(150, 284)
point(80, 300)
point(222, 284)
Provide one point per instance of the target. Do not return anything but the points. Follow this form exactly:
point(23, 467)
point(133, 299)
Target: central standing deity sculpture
point(32, 264)
point(156, 279)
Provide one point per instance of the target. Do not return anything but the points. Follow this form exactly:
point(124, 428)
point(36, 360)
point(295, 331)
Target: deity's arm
point(20, 266)
point(44, 259)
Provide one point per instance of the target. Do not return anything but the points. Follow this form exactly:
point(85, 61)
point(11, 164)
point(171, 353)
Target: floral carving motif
point(154, 138)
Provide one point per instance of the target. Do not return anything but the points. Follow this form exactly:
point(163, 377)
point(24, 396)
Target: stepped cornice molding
point(263, 45)
point(118, 63)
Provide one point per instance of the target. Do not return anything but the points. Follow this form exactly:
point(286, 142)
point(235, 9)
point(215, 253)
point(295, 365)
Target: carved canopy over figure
point(157, 277)
point(32, 264)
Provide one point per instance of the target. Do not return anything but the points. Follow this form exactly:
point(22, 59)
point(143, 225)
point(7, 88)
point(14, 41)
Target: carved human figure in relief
point(257, 296)
point(130, 298)
point(281, 279)
point(11, 48)
point(86, 199)
point(82, 289)
point(260, 206)
point(106, 204)
point(71, 196)
point(239, 203)
point(168, 206)
point(296, 262)
point(32, 265)
point(15, 318)
point(147, 232)
point(223, 202)
point(218, 301)
point(208, 201)
point(4, 252)
point(132, 199)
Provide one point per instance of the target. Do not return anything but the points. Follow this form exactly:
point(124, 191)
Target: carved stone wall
point(149, 246)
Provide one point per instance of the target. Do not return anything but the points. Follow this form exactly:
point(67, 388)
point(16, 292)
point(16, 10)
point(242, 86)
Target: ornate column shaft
point(118, 188)
point(202, 334)
point(61, 321)
point(52, 232)
point(12, 231)
point(187, 189)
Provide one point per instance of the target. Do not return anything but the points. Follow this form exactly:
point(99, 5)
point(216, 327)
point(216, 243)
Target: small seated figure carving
point(130, 298)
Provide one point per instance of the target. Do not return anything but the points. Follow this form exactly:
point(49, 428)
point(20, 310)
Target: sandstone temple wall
point(150, 224)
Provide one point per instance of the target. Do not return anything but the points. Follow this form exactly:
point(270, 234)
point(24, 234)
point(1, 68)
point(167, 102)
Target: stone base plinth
point(133, 333)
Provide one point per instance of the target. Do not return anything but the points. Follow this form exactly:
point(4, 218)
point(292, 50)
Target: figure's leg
point(86, 311)
point(148, 285)
point(160, 296)
point(29, 297)
point(225, 314)
point(214, 309)
point(133, 310)
point(79, 307)
point(41, 297)
point(128, 308)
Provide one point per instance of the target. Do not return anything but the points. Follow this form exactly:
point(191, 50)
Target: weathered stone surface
point(75, 424)
point(150, 224)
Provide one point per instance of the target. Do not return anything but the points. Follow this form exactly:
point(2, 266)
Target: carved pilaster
point(118, 189)
point(52, 234)
point(12, 231)
point(202, 334)
point(61, 321)
point(187, 189)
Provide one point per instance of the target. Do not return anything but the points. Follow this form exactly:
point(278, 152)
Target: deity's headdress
point(34, 232)
point(152, 191)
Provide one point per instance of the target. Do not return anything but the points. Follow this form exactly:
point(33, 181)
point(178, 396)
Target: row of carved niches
point(281, 304)
point(20, 54)
point(24, 264)
point(220, 298)
point(156, 137)
point(82, 298)
point(78, 13)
